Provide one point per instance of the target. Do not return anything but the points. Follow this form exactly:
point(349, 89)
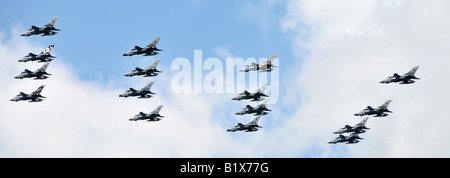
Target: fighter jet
point(404, 79)
point(151, 117)
point(142, 93)
point(256, 96)
point(250, 127)
point(33, 97)
point(358, 128)
point(147, 51)
point(258, 110)
point(39, 74)
point(378, 112)
point(150, 71)
point(351, 139)
point(264, 67)
point(47, 30)
point(44, 56)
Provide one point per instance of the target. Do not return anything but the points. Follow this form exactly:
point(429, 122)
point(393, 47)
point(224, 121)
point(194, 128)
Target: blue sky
point(332, 54)
point(95, 34)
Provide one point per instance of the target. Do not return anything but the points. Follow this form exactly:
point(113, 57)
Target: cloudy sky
point(332, 54)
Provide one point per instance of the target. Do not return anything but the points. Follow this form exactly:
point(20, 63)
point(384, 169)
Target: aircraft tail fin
point(48, 50)
point(39, 90)
point(263, 88)
point(255, 121)
point(158, 109)
point(44, 67)
point(386, 104)
point(52, 22)
point(412, 71)
point(154, 65)
point(154, 43)
point(149, 86)
point(363, 122)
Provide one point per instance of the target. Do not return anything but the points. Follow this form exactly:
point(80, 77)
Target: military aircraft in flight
point(264, 67)
point(150, 71)
point(146, 51)
point(142, 93)
point(250, 127)
point(33, 97)
point(404, 79)
point(258, 110)
point(351, 139)
point(378, 112)
point(39, 74)
point(151, 117)
point(47, 30)
point(44, 56)
point(358, 128)
point(256, 96)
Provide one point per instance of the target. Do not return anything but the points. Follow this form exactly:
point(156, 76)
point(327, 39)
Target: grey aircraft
point(250, 127)
point(258, 110)
point(142, 93)
point(39, 74)
point(151, 117)
point(256, 96)
point(358, 128)
point(44, 56)
point(378, 112)
point(150, 71)
point(33, 97)
point(264, 67)
point(351, 139)
point(47, 30)
point(404, 79)
point(149, 50)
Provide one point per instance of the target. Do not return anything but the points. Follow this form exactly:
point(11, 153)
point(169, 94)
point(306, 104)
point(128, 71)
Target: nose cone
point(129, 74)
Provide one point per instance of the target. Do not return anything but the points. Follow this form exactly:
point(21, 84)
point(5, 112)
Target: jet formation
point(354, 133)
point(34, 97)
point(44, 56)
point(47, 30)
point(151, 71)
point(380, 111)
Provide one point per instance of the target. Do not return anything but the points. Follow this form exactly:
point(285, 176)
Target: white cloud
point(352, 46)
point(88, 119)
